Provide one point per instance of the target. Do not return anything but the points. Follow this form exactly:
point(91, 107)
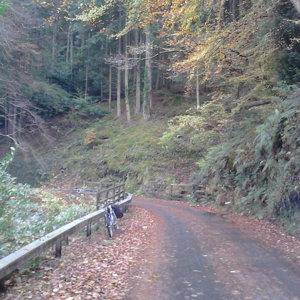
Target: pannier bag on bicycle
point(117, 210)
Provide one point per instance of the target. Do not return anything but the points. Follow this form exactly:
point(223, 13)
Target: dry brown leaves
point(288, 245)
point(95, 268)
point(102, 268)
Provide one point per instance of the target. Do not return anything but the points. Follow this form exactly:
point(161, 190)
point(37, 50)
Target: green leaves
point(7, 159)
point(4, 5)
point(197, 130)
point(21, 219)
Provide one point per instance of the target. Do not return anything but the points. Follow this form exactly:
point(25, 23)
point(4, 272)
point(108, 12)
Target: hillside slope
point(247, 163)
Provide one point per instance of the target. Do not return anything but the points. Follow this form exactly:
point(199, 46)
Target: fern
point(262, 166)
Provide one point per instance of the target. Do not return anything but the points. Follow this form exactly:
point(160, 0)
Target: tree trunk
point(119, 83)
point(147, 99)
point(149, 65)
point(68, 44)
point(87, 57)
point(109, 87)
point(101, 89)
point(15, 123)
point(127, 105)
point(9, 116)
point(71, 52)
point(157, 74)
point(138, 90)
point(6, 118)
point(53, 47)
point(197, 89)
point(86, 81)
point(138, 76)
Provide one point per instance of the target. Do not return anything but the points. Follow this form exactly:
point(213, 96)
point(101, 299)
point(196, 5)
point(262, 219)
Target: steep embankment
point(255, 169)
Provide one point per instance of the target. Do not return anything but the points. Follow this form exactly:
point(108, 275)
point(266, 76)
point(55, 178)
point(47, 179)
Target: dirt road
point(169, 250)
point(202, 255)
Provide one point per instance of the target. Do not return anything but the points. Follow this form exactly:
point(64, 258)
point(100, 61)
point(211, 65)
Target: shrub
point(23, 219)
point(87, 107)
point(51, 98)
point(197, 130)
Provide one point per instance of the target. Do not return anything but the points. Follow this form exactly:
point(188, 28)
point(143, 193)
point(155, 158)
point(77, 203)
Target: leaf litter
point(90, 268)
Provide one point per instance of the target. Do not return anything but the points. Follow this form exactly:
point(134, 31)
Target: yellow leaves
point(44, 3)
point(90, 137)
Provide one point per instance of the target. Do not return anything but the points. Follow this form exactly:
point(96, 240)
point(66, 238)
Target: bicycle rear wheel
point(117, 226)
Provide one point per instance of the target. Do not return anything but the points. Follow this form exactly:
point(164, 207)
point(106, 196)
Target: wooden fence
point(182, 191)
point(56, 238)
point(115, 193)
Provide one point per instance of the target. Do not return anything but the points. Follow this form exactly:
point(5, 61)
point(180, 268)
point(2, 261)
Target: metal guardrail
point(55, 238)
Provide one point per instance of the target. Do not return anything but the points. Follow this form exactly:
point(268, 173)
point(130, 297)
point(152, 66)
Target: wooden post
point(123, 191)
point(98, 197)
point(119, 191)
point(58, 248)
point(67, 240)
point(98, 200)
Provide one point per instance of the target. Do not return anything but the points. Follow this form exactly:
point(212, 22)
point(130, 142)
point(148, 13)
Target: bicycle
point(111, 221)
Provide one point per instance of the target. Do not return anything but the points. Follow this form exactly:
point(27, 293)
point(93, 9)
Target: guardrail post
point(58, 248)
point(2, 285)
point(88, 229)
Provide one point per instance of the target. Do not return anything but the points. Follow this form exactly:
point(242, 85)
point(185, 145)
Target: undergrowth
point(27, 214)
point(257, 170)
point(110, 148)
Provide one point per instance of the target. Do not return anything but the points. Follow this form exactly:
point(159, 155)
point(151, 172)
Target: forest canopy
point(59, 56)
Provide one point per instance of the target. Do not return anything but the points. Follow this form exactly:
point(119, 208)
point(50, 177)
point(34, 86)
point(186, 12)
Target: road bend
point(201, 255)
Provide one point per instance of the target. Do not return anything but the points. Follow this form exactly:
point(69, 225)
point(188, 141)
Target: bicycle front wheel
point(110, 231)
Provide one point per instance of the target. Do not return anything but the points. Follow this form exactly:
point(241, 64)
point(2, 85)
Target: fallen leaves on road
point(287, 245)
point(102, 268)
point(95, 268)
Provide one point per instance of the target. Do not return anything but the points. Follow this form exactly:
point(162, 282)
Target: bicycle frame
point(110, 220)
